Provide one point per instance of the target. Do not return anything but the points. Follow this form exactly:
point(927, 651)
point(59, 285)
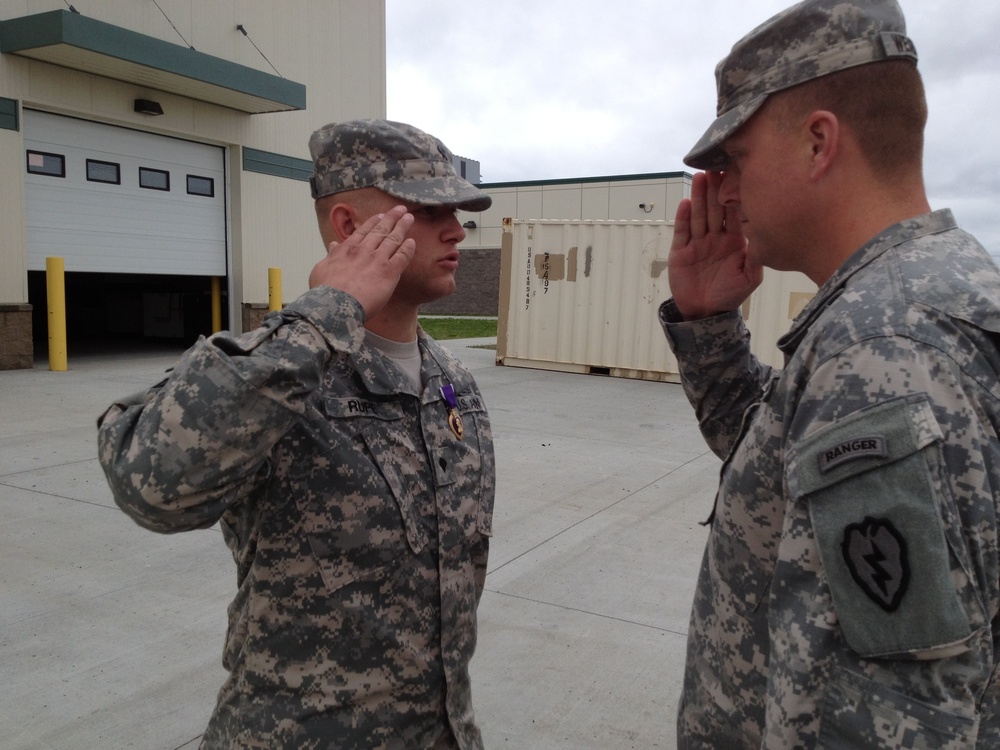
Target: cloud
point(581, 88)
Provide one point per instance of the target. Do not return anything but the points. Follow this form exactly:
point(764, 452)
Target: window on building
point(154, 179)
point(200, 186)
point(53, 165)
point(103, 171)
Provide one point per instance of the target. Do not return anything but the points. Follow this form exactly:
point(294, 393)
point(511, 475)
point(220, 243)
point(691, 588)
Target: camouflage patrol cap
point(394, 157)
point(808, 40)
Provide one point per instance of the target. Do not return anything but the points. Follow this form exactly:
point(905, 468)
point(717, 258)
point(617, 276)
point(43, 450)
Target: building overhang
point(74, 41)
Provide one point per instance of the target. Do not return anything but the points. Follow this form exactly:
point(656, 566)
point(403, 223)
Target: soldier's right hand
point(368, 264)
point(708, 267)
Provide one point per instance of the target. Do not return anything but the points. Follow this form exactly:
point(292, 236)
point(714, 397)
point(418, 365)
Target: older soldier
point(348, 460)
point(848, 597)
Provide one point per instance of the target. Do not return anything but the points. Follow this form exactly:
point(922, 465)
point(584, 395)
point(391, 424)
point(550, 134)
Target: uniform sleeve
point(721, 378)
point(177, 457)
point(887, 574)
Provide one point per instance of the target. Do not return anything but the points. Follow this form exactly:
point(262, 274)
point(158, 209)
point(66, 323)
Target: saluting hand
point(708, 268)
point(368, 264)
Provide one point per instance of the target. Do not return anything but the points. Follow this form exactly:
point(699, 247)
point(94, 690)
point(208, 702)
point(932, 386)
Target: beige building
point(158, 146)
point(642, 197)
point(160, 150)
point(637, 197)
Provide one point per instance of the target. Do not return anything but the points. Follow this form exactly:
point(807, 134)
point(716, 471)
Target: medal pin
point(454, 418)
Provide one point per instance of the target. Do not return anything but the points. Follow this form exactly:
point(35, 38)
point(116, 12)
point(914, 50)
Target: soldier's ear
point(343, 219)
point(822, 134)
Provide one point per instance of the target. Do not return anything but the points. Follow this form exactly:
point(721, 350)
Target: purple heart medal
point(454, 418)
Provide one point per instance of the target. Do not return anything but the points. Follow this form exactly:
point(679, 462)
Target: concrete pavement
point(111, 636)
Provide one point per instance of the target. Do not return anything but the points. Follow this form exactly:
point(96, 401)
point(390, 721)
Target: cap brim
point(438, 191)
point(707, 153)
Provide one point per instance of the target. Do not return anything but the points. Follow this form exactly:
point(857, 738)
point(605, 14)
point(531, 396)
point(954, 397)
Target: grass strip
point(459, 328)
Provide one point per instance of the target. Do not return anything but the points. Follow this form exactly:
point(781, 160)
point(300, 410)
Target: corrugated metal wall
point(581, 296)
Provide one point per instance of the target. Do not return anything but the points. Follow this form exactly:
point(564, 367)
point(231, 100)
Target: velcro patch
point(897, 45)
point(848, 450)
point(879, 527)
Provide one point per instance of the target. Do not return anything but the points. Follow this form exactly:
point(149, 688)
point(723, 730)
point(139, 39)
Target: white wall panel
point(13, 279)
point(594, 201)
point(561, 202)
point(601, 199)
point(279, 214)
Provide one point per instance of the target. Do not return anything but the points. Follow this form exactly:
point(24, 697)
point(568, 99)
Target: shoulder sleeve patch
point(875, 499)
point(876, 556)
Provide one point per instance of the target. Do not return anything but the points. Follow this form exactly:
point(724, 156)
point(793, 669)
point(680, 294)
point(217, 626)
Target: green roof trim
point(577, 180)
point(72, 40)
point(266, 162)
point(8, 114)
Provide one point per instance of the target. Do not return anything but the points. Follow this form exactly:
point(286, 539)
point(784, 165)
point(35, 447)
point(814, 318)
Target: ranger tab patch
point(848, 450)
point(875, 553)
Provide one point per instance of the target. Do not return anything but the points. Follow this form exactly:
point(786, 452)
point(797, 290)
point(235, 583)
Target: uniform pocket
point(385, 453)
point(876, 504)
point(858, 712)
point(356, 509)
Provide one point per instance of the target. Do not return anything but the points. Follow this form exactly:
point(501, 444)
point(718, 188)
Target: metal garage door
point(115, 200)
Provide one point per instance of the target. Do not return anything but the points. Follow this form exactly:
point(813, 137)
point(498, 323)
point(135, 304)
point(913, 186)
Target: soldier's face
point(437, 232)
point(431, 273)
point(762, 181)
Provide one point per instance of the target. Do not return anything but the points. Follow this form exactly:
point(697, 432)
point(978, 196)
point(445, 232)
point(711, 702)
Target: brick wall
point(478, 286)
point(16, 349)
point(253, 314)
point(477, 292)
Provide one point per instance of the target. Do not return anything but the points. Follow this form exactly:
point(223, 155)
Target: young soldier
point(348, 461)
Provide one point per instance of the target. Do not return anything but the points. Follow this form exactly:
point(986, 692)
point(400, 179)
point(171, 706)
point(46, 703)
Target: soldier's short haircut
point(882, 104)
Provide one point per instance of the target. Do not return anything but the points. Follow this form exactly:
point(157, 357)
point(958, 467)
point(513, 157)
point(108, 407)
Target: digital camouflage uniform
point(848, 597)
point(358, 521)
point(357, 507)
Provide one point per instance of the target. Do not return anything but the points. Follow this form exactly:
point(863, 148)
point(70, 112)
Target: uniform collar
point(381, 377)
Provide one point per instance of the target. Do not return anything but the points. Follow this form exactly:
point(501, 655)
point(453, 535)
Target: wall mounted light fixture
point(148, 107)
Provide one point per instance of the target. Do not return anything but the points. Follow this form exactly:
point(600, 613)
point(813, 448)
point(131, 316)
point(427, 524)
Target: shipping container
point(582, 296)
point(772, 308)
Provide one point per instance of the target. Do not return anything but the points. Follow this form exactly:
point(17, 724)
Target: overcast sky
point(552, 89)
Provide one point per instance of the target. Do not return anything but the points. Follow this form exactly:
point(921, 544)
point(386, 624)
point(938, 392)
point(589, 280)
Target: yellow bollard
point(216, 305)
point(55, 284)
point(273, 289)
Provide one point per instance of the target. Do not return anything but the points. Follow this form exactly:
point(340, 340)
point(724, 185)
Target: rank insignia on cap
point(875, 553)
